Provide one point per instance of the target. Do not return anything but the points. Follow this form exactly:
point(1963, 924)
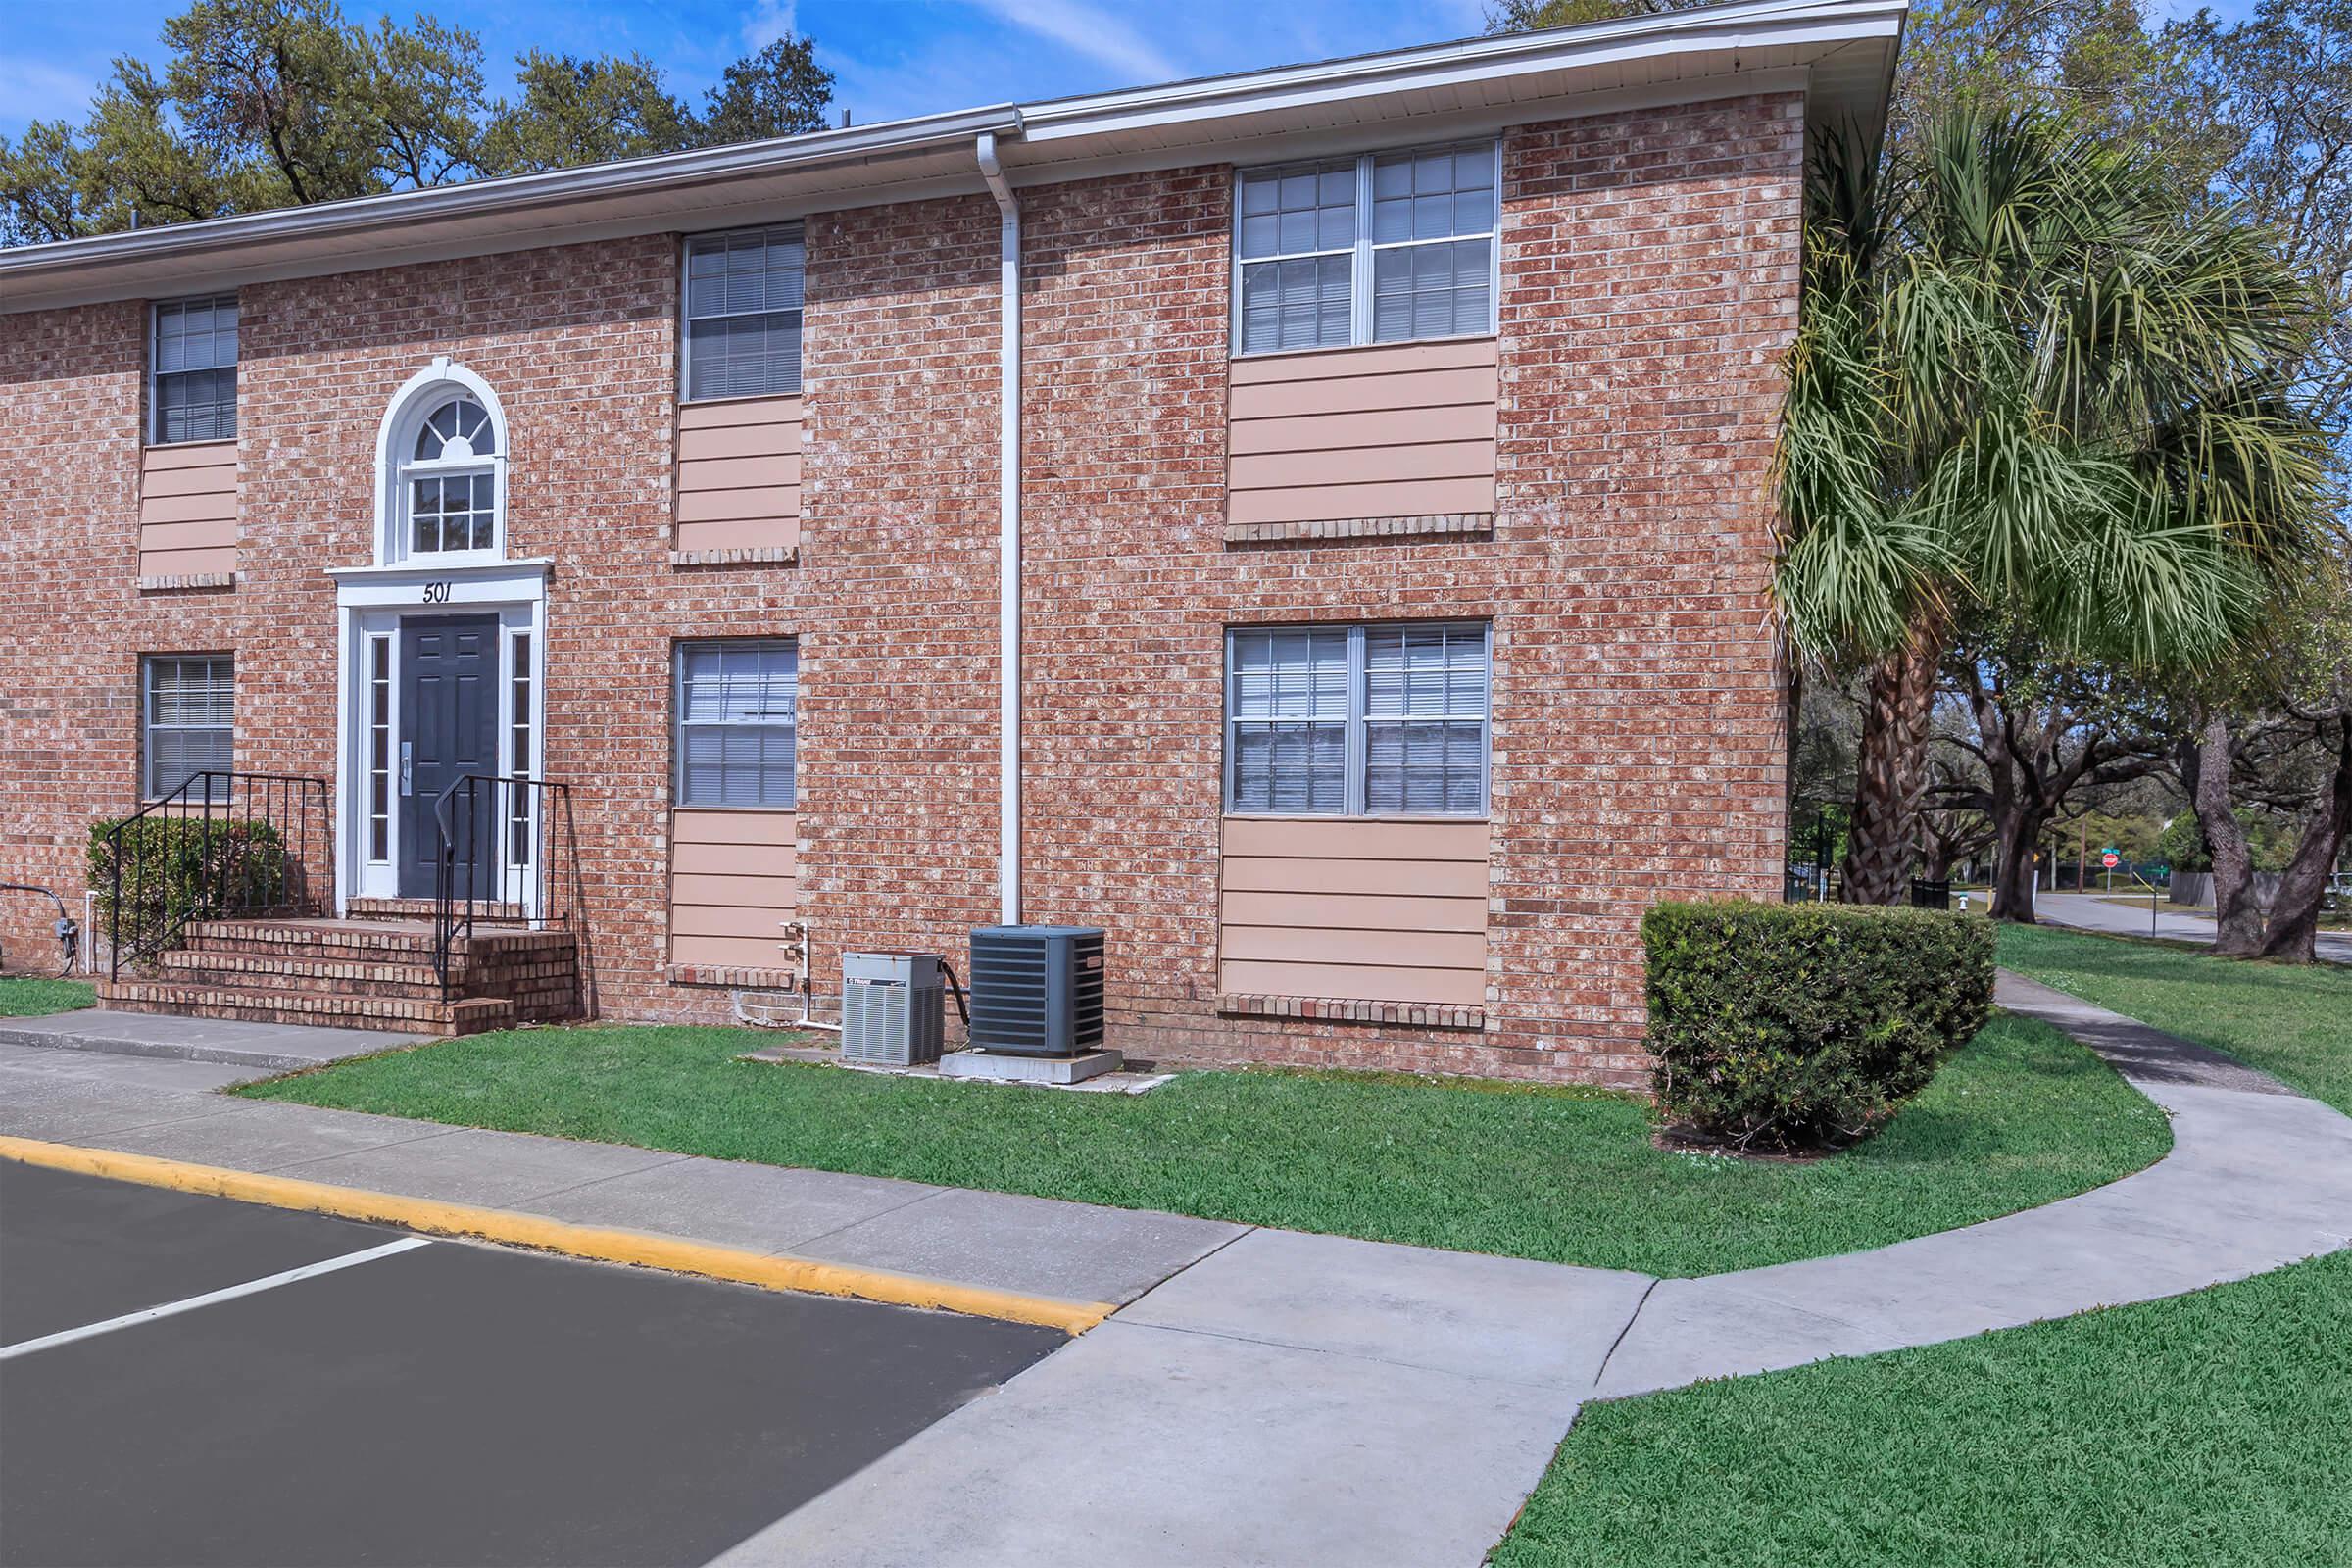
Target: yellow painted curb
point(437, 1218)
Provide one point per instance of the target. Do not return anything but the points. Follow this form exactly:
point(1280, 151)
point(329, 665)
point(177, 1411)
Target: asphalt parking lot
point(357, 1395)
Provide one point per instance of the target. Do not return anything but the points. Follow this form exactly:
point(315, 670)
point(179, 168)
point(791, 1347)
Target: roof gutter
point(1008, 531)
point(514, 193)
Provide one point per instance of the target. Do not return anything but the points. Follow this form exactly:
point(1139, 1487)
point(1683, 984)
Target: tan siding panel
point(1298, 944)
point(1443, 880)
point(761, 533)
point(735, 953)
point(1347, 838)
point(732, 886)
point(1356, 983)
point(776, 503)
point(1354, 911)
point(213, 480)
point(750, 923)
point(1375, 427)
point(737, 892)
point(715, 825)
point(741, 473)
point(735, 860)
point(186, 509)
point(1435, 460)
point(739, 411)
point(1427, 389)
point(186, 562)
point(205, 534)
point(188, 455)
point(1384, 358)
point(1360, 911)
point(1410, 498)
point(738, 441)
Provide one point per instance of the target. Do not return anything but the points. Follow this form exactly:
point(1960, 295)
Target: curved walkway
point(2259, 1177)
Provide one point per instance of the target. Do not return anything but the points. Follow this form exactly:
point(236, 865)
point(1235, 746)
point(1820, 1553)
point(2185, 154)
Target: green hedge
point(1800, 1025)
point(177, 868)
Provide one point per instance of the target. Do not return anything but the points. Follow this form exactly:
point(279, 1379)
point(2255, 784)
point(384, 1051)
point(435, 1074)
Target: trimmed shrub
point(179, 869)
point(1798, 1025)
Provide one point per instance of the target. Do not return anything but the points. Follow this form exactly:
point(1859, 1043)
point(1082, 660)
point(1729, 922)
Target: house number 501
point(437, 593)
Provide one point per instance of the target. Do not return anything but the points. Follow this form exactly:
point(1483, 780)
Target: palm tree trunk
point(2295, 912)
point(1890, 770)
point(2237, 918)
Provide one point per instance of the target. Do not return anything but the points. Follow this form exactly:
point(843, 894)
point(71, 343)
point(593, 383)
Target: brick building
point(1382, 581)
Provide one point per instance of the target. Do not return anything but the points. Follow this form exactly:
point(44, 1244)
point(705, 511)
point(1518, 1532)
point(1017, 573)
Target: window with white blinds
point(186, 719)
point(1386, 720)
point(1380, 249)
point(192, 371)
point(743, 315)
point(738, 724)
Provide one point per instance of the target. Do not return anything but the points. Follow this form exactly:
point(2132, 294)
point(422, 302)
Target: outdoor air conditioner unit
point(1037, 990)
point(891, 1008)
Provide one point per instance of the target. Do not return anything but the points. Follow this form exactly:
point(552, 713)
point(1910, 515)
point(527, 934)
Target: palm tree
point(2027, 380)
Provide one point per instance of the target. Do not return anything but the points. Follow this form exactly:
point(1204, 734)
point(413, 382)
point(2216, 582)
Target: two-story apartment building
point(1314, 524)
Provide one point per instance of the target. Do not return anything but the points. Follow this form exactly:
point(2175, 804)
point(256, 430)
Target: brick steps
point(358, 974)
point(271, 1004)
point(320, 977)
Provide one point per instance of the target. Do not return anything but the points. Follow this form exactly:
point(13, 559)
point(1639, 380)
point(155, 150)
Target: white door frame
point(371, 602)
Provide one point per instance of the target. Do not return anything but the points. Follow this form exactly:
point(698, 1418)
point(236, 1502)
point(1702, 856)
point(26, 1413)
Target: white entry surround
point(371, 602)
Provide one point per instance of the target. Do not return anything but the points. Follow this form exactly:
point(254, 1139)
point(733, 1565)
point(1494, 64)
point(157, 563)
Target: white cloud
point(769, 20)
point(1092, 32)
point(33, 90)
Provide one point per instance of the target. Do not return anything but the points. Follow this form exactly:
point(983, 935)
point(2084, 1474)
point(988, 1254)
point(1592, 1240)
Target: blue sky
point(893, 57)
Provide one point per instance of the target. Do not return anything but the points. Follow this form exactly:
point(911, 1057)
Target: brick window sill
point(1337, 1009)
point(761, 556)
point(1444, 526)
point(189, 580)
point(713, 974)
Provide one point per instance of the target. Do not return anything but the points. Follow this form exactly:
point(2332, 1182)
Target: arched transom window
point(448, 481)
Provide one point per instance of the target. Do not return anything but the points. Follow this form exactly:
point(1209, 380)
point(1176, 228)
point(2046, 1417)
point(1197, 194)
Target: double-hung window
point(186, 715)
point(743, 315)
point(1385, 248)
point(1387, 720)
point(738, 723)
point(192, 371)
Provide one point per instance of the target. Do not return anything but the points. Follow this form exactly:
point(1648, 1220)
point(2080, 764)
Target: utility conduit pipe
point(1008, 535)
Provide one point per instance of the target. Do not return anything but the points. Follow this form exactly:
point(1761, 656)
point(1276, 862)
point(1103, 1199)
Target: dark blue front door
point(449, 728)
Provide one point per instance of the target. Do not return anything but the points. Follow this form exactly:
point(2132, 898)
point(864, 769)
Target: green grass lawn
point(2202, 1432)
point(2020, 1117)
point(2291, 1020)
point(28, 998)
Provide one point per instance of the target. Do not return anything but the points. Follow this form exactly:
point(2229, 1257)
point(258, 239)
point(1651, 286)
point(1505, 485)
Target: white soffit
point(1840, 52)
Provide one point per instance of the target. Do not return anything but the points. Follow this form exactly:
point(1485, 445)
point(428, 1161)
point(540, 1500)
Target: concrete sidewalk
point(1272, 1396)
point(270, 1048)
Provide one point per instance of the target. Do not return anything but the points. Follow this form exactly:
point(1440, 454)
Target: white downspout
point(1008, 535)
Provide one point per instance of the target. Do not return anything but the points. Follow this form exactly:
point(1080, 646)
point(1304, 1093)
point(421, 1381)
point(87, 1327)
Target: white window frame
point(1360, 271)
point(793, 232)
point(678, 724)
point(148, 725)
point(155, 374)
point(396, 465)
point(1358, 724)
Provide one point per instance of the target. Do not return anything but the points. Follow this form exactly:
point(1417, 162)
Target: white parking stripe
point(192, 1304)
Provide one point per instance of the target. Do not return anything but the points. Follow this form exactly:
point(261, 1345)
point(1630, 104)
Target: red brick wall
point(1650, 281)
point(1649, 273)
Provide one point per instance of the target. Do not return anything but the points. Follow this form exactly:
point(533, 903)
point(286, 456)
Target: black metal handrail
point(508, 851)
point(225, 843)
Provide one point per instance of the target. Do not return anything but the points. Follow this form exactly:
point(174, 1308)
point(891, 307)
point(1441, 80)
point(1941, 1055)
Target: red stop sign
point(2111, 859)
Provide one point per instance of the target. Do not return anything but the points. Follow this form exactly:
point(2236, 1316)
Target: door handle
point(406, 781)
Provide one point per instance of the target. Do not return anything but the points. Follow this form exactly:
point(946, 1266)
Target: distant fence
point(2196, 888)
